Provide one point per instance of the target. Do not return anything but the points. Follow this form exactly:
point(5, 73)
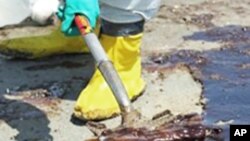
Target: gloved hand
point(88, 8)
point(42, 10)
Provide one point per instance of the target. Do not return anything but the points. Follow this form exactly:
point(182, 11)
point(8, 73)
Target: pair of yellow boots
point(96, 101)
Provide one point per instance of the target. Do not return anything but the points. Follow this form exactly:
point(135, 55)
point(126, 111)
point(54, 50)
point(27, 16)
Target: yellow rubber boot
point(40, 42)
point(96, 101)
point(39, 46)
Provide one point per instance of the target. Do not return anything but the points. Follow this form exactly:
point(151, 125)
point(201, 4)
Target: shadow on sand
point(63, 76)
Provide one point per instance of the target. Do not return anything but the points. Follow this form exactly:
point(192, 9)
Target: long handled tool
point(129, 114)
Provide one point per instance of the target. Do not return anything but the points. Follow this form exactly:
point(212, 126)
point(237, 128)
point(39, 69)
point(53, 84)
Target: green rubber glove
point(66, 13)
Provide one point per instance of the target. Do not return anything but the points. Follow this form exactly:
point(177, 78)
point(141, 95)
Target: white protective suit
point(118, 11)
point(13, 12)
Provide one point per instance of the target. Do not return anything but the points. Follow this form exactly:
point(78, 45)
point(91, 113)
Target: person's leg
point(122, 43)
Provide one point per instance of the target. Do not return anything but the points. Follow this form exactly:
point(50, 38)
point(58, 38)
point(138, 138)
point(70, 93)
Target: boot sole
point(134, 98)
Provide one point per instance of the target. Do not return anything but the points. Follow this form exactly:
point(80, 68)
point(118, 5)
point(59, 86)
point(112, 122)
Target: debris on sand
point(186, 127)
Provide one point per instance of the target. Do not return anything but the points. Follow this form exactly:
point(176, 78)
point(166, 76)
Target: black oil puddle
point(64, 76)
point(225, 74)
